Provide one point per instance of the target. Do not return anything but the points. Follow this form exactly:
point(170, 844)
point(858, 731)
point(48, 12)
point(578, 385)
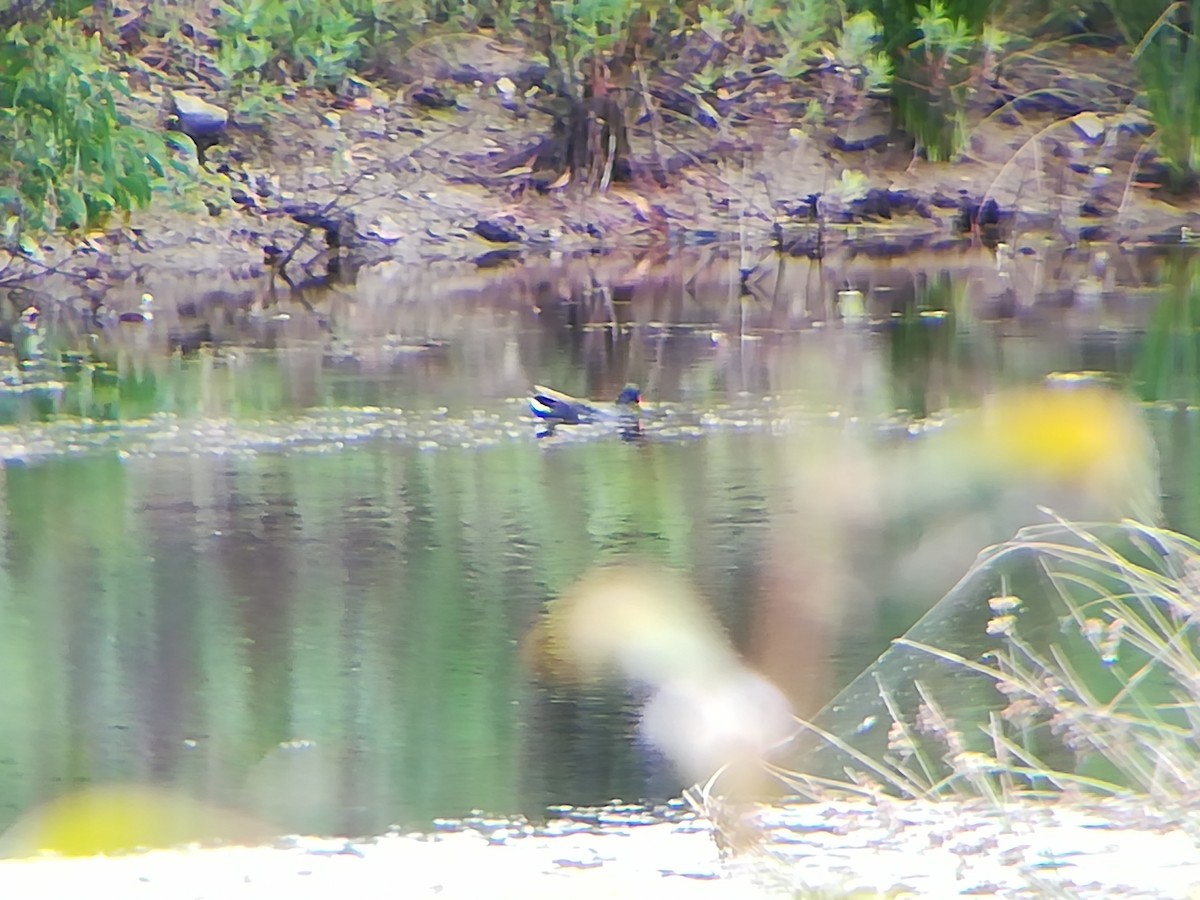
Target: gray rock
point(198, 118)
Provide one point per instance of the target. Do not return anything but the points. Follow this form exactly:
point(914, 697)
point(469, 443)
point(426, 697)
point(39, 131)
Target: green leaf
point(156, 165)
point(72, 207)
point(29, 247)
point(100, 202)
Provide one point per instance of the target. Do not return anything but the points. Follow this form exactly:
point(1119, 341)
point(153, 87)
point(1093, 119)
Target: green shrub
point(310, 43)
point(1167, 58)
point(936, 50)
point(590, 28)
point(68, 157)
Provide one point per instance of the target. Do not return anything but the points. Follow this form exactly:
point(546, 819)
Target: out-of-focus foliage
point(1063, 661)
point(703, 707)
point(123, 818)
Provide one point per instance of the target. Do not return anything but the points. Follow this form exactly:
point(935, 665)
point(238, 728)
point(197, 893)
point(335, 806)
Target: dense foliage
point(1168, 63)
point(68, 155)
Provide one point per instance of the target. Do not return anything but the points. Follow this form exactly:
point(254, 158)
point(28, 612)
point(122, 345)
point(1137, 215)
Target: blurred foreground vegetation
point(74, 151)
point(1062, 662)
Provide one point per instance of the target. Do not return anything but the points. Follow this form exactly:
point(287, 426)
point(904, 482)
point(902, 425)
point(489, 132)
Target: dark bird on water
point(553, 407)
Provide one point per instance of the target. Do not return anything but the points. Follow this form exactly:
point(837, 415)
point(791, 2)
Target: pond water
point(285, 551)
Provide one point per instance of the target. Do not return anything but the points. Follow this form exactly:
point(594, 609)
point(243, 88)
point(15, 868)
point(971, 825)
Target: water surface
point(291, 566)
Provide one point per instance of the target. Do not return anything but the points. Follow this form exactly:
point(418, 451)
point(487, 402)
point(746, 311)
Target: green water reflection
point(176, 619)
point(293, 572)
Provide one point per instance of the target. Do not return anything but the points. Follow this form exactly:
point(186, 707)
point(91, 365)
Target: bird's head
point(631, 395)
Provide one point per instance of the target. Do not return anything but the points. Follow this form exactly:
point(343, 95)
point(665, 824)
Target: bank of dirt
point(328, 185)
